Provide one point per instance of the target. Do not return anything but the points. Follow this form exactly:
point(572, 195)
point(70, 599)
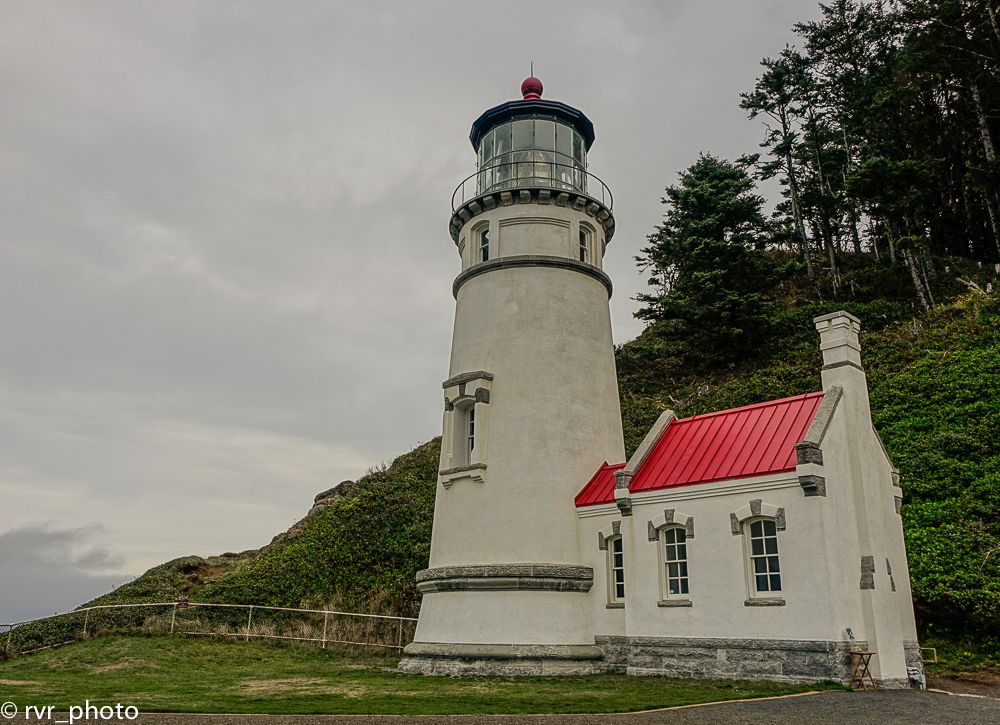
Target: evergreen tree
point(708, 265)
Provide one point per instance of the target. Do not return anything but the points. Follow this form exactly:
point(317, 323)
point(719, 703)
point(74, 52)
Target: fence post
point(86, 620)
point(173, 618)
point(326, 620)
point(401, 634)
point(249, 618)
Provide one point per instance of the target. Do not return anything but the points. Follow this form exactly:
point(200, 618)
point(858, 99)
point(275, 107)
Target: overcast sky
point(225, 272)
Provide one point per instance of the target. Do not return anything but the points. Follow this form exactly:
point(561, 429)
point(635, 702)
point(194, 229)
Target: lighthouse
point(531, 403)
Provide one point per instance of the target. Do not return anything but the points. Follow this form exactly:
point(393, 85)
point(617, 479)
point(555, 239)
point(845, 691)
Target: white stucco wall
point(544, 334)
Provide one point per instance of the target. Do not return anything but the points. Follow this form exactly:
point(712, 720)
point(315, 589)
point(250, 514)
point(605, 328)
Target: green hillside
point(935, 390)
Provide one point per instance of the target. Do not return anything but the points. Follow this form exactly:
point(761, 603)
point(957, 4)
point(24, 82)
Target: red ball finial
point(531, 89)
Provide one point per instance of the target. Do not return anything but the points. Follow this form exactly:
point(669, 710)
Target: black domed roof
point(534, 108)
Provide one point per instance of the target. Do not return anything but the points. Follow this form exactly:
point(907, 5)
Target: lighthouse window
point(471, 433)
point(484, 244)
point(584, 247)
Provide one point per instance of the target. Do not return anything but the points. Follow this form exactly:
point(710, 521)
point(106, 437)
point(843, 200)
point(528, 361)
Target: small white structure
point(761, 542)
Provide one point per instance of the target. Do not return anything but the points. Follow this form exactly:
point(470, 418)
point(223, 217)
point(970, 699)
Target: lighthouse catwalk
point(760, 542)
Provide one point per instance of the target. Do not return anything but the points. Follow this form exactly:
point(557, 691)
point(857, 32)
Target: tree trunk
point(915, 276)
point(793, 188)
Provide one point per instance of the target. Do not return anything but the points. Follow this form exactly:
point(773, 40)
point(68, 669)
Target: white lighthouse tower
point(531, 403)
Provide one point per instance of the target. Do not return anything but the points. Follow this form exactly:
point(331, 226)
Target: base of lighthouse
point(469, 614)
point(448, 660)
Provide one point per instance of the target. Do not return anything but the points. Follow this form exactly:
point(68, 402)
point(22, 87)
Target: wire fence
point(248, 622)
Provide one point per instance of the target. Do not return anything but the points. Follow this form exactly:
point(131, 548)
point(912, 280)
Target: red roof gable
point(749, 441)
point(600, 488)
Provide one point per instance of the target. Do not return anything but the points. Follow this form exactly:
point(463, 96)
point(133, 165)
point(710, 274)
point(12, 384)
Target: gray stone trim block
point(603, 538)
point(674, 603)
point(813, 485)
point(867, 572)
point(506, 577)
point(734, 525)
point(671, 517)
point(755, 507)
point(762, 602)
point(462, 469)
point(779, 519)
point(448, 406)
point(615, 605)
point(467, 377)
point(898, 502)
point(482, 395)
point(624, 506)
point(622, 479)
point(895, 479)
point(532, 260)
point(824, 414)
point(888, 570)
point(808, 452)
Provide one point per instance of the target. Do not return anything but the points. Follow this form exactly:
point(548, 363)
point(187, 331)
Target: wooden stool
point(861, 662)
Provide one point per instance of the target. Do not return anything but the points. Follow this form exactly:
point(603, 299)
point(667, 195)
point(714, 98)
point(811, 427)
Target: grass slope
point(179, 674)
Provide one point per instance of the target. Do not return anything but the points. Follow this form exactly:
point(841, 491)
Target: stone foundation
point(778, 660)
point(448, 660)
point(739, 659)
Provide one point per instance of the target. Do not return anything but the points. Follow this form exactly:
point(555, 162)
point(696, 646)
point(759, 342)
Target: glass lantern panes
point(532, 152)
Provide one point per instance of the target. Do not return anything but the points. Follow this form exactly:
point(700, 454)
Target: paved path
point(833, 708)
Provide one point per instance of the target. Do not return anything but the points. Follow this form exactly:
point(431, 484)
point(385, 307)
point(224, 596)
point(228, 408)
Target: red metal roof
point(600, 488)
point(749, 441)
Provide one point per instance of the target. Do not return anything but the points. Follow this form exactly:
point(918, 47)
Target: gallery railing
point(532, 174)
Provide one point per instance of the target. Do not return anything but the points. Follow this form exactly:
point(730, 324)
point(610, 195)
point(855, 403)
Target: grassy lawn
point(178, 674)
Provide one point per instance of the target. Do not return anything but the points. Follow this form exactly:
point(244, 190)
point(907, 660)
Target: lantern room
point(532, 142)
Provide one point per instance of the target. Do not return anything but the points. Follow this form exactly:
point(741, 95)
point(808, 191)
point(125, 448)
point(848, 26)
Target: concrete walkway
point(893, 707)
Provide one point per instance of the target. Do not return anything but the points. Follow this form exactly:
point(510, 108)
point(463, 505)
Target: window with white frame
point(673, 543)
point(584, 244)
point(765, 569)
point(484, 243)
point(616, 570)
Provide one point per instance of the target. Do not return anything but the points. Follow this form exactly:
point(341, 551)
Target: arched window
point(674, 573)
point(762, 557)
point(483, 236)
point(584, 246)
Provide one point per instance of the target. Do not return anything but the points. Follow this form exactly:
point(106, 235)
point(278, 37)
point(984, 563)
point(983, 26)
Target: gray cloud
point(224, 263)
point(45, 569)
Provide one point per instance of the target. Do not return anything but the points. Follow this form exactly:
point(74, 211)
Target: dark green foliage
point(707, 266)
